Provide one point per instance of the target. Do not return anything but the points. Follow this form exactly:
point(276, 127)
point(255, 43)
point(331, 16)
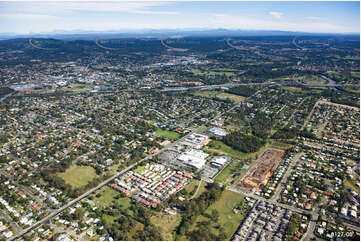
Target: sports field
point(167, 134)
point(221, 95)
point(78, 176)
point(76, 88)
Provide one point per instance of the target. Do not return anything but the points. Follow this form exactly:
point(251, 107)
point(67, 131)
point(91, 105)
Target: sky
point(47, 16)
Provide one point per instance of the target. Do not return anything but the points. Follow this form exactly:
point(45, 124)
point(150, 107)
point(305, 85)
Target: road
point(199, 186)
point(295, 44)
point(309, 115)
point(68, 231)
point(298, 210)
point(284, 179)
point(104, 47)
point(56, 212)
point(101, 185)
point(27, 191)
point(293, 113)
point(211, 87)
point(311, 227)
point(172, 48)
point(6, 96)
point(233, 46)
point(201, 88)
point(253, 49)
point(104, 183)
point(330, 83)
point(11, 222)
point(40, 48)
point(315, 214)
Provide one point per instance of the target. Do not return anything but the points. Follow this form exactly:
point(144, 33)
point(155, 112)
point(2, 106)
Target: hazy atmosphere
point(48, 16)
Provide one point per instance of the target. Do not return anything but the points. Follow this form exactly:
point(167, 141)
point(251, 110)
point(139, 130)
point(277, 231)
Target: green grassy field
point(285, 78)
point(226, 69)
point(352, 58)
point(138, 227)
point(140, 168)
point(278, 145)
point(167, 134)
point(77, 88)
point(167, 224)
point(107, 196)
point(78, 176)
point(225, 174)
point(314, 80)
point(298, 89)
point(210, 94)
point(235, 98)
point(352, 184)
point(292, 89)
point(206, 94)
point(223, 149)
point(352, 90)
point(216, 72)
point(227, 219)
point(355, 74)
point(193, 187)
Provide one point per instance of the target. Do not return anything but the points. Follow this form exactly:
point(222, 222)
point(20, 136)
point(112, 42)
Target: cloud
point(105, 6)
point(26, 16)
point(243, 22)
point(154, 12)
point(61, 7)
point(313, 18)
point(40, 17)
point(218, 15)
point(276, 14)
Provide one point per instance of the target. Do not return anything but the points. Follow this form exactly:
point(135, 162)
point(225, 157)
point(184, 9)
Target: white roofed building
point(193, 158)
point(219, 161)
point(217, 131)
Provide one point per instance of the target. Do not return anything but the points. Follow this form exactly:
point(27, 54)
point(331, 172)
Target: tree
point(78, 214)
point(215, 215)
point(243, 142)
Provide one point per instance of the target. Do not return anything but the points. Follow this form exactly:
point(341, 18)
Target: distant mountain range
point(156, 33)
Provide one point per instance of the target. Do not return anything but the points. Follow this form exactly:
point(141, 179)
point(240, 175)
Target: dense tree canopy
point(243, 142)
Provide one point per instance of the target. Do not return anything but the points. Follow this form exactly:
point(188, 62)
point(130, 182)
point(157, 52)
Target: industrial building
point(217, 131)
point(193, 158)
point(219, 161)
point(196, 140)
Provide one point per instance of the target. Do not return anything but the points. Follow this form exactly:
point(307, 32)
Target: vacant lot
point(193, 187)
point(349, 89)
point(108, 196)
point(78, 176)
point(352, 184)
point(227, 219)
point(266, 164)
point(167, 134)
point(314, 80)
point(206, 94)
point(292, 89)
point(167, 224)
point(217, 72)
point(234, 98)
point(211, 94)
point(76, 88)
point(223, 149)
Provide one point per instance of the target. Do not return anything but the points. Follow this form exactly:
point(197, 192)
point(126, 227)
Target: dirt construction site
point(259, 174)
